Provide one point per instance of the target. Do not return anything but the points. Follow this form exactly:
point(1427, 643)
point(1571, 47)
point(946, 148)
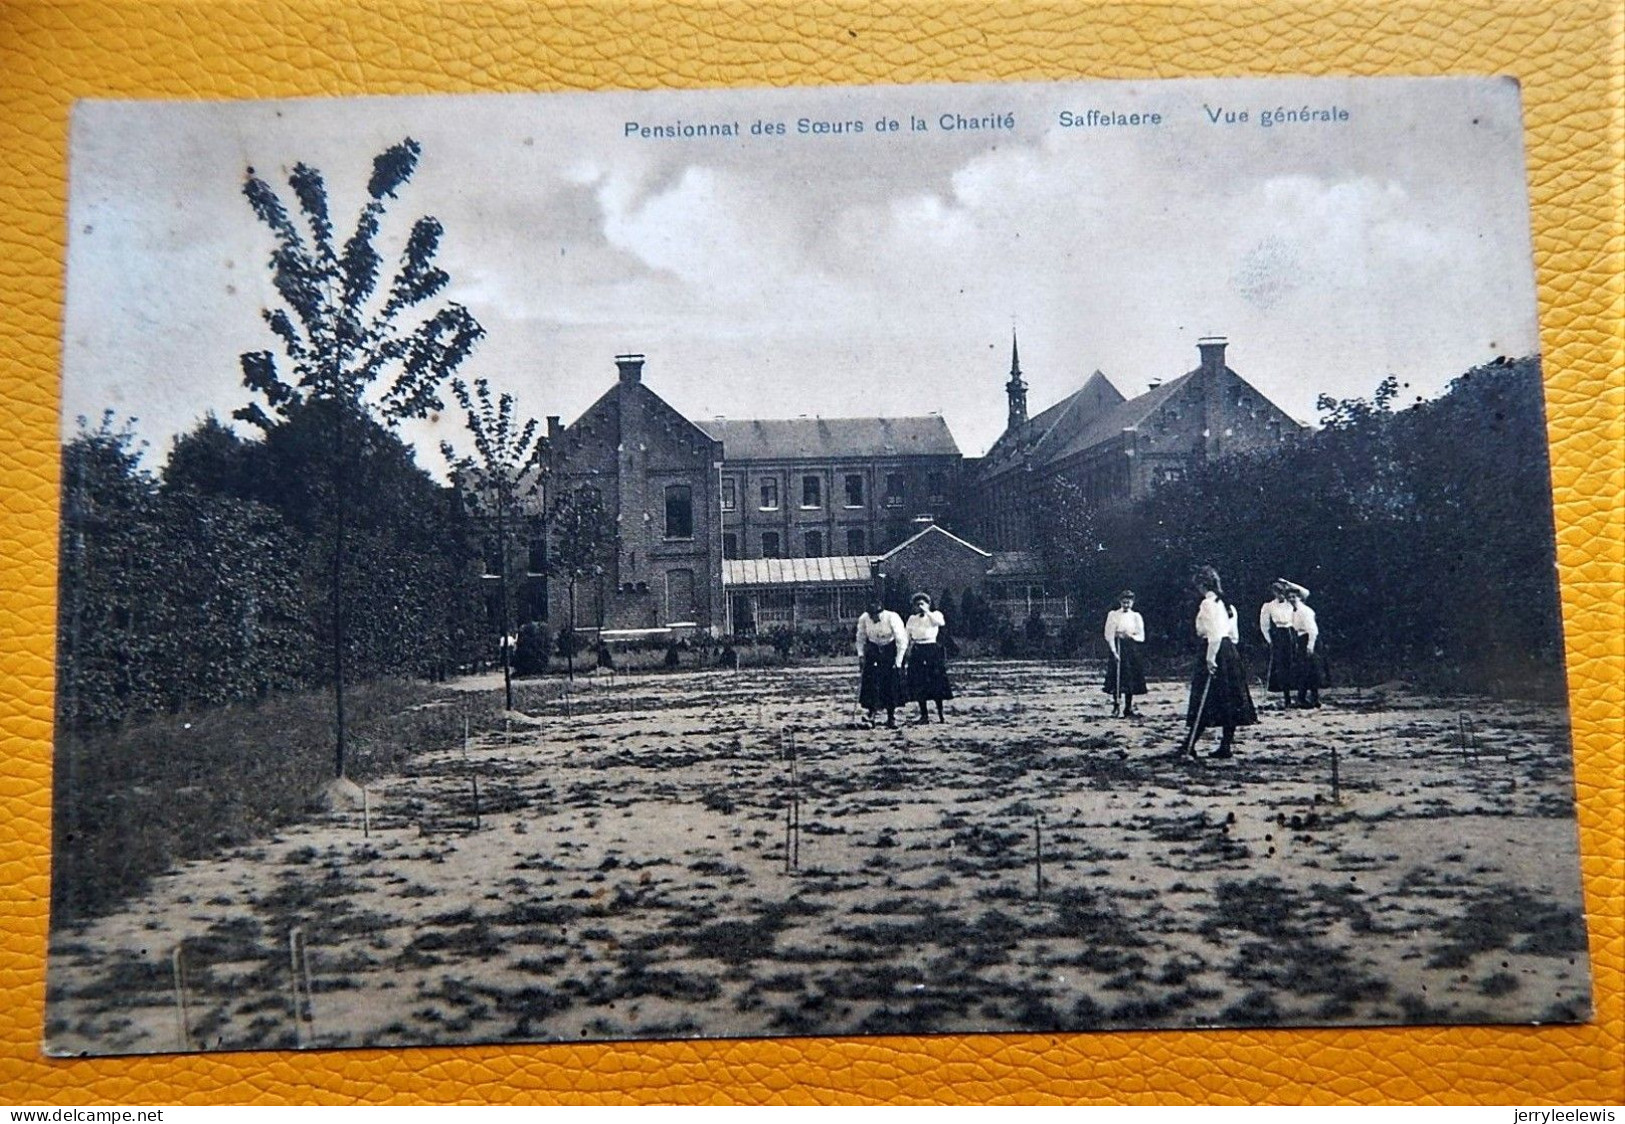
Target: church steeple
point(1016, 389)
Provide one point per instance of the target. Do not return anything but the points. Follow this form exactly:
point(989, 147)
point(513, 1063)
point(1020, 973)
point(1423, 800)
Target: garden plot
point(730, 854)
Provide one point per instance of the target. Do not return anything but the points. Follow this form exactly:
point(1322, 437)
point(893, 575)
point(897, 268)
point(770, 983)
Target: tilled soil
point(734, 854)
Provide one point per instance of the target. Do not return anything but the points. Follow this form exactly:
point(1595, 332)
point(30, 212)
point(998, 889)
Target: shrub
point(567, 644)
point(530, 654)
point(1035, 629)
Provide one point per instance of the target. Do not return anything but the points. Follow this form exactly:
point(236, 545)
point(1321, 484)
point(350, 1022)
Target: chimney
point(631, 368)
point(1212, 349)
point(555, 427)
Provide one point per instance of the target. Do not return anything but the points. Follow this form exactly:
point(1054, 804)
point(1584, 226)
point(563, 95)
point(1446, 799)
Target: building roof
point(933, 529)
point(830, 438)
point(1113, 421)
point(1052, 428)
point(841, 570)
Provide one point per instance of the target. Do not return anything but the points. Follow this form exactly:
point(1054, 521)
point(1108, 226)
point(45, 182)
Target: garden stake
point(1038, 855)
point(310, 992)
point(1337, 792)
point(787, 838)
point(178, 971)
point(303, 1007)
point(476, 779)
point(465, 735)
point(366, 814)
point(795, 808)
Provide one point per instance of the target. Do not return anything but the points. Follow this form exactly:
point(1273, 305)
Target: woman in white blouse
point(1309, 663)
point(1125, 676)
point(1275, 622)
point(882, 644)
point(1219, 693)
point(927, 660)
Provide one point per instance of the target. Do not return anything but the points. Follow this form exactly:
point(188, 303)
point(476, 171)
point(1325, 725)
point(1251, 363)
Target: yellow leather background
point(1570, 56)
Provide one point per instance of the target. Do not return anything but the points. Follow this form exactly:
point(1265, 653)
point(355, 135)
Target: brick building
point(819, 487)
point(732, 525)
point(658, 476)
point(1109, 449)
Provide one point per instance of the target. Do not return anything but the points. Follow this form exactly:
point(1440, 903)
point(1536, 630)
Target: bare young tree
point(584, 540)
point(501, 483)
point(358, 353)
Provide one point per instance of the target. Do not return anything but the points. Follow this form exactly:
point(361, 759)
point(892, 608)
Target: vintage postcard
point(905, 560)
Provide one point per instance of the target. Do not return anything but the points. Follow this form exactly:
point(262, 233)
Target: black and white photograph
point(806, 562)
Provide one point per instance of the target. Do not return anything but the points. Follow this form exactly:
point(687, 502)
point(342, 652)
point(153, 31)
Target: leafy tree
point(171, 596)
point(211, 459)
point(356, 352)
point(110, 552)
point(500, 481)
point(584, 543)
point(896, 591)
point(1425, 534)
point(1067, 536)
point(975, 616)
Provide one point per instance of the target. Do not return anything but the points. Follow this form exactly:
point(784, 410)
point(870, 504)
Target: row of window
point(812, 544)
point(680, 525)
point(812, 491)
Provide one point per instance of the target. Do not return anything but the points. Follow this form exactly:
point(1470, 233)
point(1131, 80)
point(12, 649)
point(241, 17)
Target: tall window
point(730, 544)
point(813, 544)
point(770, 495)
point(770, 544)
point(938, 486)
point(896, 493)
point(679, 511)
point(730, 494)
point(854, 541)
point(812, 491)
point(854, 490)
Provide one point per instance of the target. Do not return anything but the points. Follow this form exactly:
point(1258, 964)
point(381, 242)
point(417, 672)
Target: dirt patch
point(728, 854)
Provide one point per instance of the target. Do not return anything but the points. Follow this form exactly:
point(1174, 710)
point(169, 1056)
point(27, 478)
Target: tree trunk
point(570, 649)
point(502, 595)
point(341, 491)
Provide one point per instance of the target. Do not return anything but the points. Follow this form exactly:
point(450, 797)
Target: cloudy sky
point(837, 275)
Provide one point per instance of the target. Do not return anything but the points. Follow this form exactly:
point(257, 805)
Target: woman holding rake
point(1125, 677)
point(881, 645)
point(1219, 693)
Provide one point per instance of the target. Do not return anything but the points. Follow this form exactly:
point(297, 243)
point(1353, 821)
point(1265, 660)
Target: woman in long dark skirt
point(1125, 676)
point(1309, 658)
point(882, 644)
point(927, 660)
point(1275, 622)
point(1219, 693)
